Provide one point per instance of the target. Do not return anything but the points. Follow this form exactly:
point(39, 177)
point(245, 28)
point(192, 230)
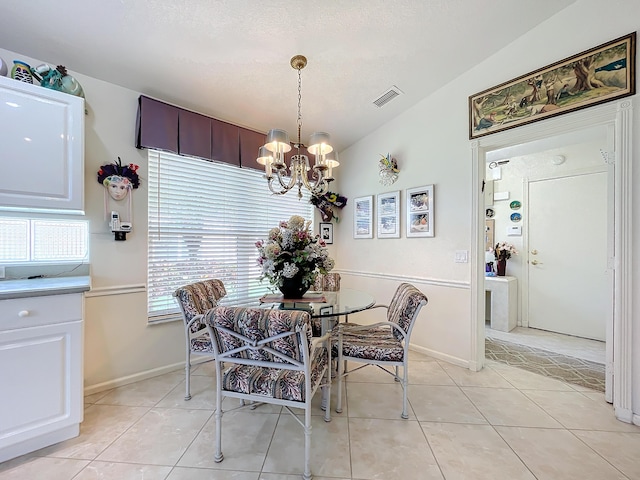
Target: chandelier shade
point(314, 178)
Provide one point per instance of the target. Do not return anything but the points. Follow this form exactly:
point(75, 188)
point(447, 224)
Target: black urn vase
point(293, 287)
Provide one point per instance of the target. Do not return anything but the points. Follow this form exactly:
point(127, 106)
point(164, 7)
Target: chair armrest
point(316, 341)
point(196, 318)
point(367, 327)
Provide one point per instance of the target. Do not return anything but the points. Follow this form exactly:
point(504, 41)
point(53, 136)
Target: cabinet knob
point(23, 313)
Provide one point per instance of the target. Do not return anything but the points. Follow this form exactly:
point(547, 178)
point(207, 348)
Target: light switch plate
point(462, 256)
point(501, 196)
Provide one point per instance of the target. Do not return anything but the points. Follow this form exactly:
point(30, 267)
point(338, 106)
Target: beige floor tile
point(203, 395)
point(390, 449)
point(428, 373)
point(102, 425)
point(316, 402)
point(376, 400)
point(145, 393)
point(329, 443)
point(525, 380)
point(205, 368)
point(122, 471)
point(443, 404)
point(159, 438)
point(183, 473)
point(575, 411)
point(620, 449)
point(470, 451)
point(245, 440)
point(94, 397)
point(29, 467)
point(553, 454)
point(464, 377)
point(279, 476)
point(507, 406)
point(368, 374)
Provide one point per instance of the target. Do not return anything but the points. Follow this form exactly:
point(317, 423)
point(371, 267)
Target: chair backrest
point(197, 298)
point(252, 326)
point(404, 307)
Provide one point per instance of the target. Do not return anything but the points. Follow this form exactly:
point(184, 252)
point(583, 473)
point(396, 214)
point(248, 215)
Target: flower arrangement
point(292, 251)
point(504, 250)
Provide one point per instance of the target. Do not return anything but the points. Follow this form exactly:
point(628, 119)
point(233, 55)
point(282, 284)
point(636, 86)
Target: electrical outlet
point(2, 272)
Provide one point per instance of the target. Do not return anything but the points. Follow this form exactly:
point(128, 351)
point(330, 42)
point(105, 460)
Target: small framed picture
point(363, 217)
point(389, 215)
point(326, 232)
point(420, 211)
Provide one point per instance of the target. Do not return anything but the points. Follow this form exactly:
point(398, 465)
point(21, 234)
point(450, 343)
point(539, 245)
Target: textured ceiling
point(229, 59)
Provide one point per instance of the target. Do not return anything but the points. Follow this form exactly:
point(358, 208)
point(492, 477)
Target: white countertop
point(43, 286)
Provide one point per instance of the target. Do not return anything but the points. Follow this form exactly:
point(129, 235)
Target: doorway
point(552, 207)
point(615, 119)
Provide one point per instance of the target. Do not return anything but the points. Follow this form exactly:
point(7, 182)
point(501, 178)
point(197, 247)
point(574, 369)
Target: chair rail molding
point(617, 118)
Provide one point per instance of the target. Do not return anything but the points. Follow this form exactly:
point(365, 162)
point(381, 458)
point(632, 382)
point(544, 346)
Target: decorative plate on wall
point(490, 213)
point(516, 217)
point(515, 205)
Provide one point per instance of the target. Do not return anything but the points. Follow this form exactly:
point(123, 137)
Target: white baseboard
point(636, 420)
point(136, 377)
point(440, 356)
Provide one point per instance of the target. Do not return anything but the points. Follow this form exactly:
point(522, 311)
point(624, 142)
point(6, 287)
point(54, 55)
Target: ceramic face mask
point(117, 186)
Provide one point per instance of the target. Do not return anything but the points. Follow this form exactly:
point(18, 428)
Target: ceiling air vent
point(387, 96)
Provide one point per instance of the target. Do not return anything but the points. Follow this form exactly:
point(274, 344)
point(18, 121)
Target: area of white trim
point(440, 356)
point(404, 278)
point(115, 290)
point(619, 116)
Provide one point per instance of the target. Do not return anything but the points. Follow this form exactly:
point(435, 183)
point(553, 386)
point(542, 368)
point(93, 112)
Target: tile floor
point(500, 423)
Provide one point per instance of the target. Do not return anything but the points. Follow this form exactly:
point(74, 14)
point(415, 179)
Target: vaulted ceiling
point(229, 59)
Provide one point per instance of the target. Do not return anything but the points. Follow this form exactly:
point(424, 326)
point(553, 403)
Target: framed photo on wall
point(388, 215)
point(420, 211)
point(326, 232)
point(363, 217)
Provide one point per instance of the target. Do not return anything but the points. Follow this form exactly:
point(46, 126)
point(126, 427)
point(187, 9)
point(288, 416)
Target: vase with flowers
point(502, 252)
point(292, 257)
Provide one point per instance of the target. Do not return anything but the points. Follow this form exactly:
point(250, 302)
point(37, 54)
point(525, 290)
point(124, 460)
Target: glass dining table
point(328, 306)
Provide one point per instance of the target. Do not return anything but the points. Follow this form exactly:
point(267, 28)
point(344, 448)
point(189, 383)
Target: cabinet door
point(42, 148)
point(41, 379)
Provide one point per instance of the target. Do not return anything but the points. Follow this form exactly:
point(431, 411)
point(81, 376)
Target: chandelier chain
point(299, 105)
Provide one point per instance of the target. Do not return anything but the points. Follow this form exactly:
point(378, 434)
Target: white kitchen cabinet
point(41, 148)
point(41, 379)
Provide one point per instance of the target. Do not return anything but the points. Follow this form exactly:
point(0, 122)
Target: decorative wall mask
point(325, 204)
point(118, 181)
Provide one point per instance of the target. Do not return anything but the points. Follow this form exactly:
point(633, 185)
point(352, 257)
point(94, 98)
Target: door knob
point(535, 262)
point(534, 252)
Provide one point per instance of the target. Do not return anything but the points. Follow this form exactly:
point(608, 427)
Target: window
point(204, 220)
point(24, 240)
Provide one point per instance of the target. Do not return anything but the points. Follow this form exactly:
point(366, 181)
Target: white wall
point(431, 144)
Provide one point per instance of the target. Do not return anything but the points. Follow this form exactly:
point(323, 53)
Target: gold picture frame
point(600, 74)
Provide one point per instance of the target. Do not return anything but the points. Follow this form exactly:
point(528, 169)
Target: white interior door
point(568, 290)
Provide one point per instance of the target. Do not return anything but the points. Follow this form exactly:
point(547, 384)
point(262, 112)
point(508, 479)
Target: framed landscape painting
point(363, 217)
point(420, 212)
point(601, 74)
point(389, 215)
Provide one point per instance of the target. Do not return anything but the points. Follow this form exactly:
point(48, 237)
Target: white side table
point(504, 301)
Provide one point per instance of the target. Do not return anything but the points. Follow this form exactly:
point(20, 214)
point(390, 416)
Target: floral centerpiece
point(502, 253)
point(504, 250)
point(292, 256)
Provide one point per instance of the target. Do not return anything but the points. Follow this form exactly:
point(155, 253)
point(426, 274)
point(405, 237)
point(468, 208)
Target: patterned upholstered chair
point(385, 344)
point(194, 301)
point(269, 356)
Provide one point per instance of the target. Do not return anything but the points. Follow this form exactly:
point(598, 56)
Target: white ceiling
point(229, 59)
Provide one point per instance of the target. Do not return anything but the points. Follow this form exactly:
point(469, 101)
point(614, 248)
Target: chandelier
point(300, 173)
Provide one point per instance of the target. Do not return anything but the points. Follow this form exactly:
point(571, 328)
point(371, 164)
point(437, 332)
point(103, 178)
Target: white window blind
point(204, 220)
point(25, 240)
